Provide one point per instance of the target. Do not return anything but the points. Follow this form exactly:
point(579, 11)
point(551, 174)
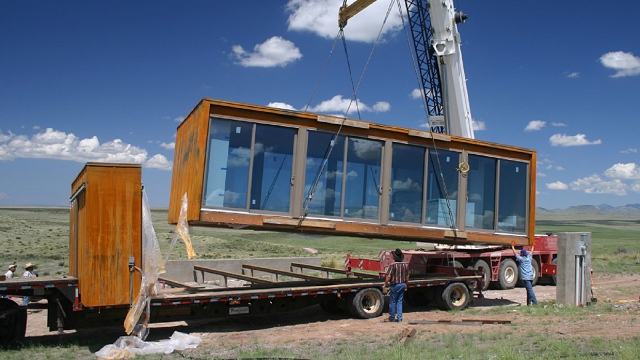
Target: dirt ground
point(222, 336)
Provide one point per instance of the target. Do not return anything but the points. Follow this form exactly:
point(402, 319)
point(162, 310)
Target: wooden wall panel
point(108, 217)
point(189, 163)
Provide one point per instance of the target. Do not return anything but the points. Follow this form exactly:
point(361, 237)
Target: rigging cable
point(333, 141)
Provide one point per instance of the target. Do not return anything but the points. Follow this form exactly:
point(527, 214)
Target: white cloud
point(625, 64)
point(281, 105)
point(381, 106)
point(623, 171)
point(635, 187)
point(558, 124)
point(58, 145)
point(560, 168)
point(276, 51)
point(558, 185)
point(321, 18)
point(575, 140)
point(340, 104)
point(594, 184)
point(158, 161)
point(168, 146)
point(179, 119)
point(478, 125)
point(535, 125)
point(574, 74)
point(541, 174)
point(629, 151)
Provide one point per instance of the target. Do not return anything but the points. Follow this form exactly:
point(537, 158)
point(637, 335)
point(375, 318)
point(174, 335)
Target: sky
point(89, 81)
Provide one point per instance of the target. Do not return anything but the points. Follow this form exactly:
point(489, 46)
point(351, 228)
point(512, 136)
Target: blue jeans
point(395, 303)
point(531, 296)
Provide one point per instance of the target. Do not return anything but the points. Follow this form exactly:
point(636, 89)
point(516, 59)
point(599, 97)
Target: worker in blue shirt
point(526, 272)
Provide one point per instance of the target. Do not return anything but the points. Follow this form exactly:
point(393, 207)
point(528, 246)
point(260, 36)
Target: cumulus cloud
point(623, 171)
point(281, 105)
point(320, 17)
point(168, 146)
point(535, 125)
point(58, 145)
point(275, 51)
point(573, 75)
point(594, 184)
point(625, 64)
point(568, 140)
point(478, 125)
point(342, 105)
point(558, 185)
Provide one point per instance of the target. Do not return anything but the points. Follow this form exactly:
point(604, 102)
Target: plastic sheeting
point(152, 267)
point(127, 347)
point(182, 230)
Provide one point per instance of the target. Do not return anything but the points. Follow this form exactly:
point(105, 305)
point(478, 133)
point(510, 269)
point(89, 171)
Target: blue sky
point(85, 81)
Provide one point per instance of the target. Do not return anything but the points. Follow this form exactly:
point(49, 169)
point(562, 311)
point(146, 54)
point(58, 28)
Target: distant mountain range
point(604, 209)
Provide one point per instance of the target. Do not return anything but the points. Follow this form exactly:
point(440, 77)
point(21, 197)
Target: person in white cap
point(28, 273)
point(12, 270)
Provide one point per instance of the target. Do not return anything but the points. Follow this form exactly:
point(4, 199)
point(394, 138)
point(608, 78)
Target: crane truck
point(437, 48)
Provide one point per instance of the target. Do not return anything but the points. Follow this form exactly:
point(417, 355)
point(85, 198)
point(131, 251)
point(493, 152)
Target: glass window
point(512, 206)
point(272, 166)
point(481, 192)
point(362, 190)
point(227, 177)
point(326, 198)
point(407, 179)
point(442, 185)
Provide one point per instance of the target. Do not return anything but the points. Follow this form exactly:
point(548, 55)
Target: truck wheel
point(455, 296)
point(481, 264)
point(13, 322)
point(367, 303)
point(508, 276)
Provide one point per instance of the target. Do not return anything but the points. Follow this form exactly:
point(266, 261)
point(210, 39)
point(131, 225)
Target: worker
point(397, 276)
point(526, 272)
point(28, 273)
point(11, 272)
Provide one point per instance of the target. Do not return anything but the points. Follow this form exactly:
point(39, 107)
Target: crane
point(436, 40)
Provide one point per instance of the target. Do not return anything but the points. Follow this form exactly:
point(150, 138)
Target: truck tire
point(13, 323)
point(481, 264)
point(455, 296)
point(508, 277)
point(367, 303)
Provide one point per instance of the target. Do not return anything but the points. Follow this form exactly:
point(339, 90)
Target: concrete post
point(573, 284)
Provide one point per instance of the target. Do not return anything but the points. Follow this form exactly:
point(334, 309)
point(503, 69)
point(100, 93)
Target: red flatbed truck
point(497, 264)
point(106, 247)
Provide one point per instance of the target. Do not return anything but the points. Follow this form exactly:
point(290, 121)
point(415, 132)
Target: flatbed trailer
point(496, 263)
point(361, 296)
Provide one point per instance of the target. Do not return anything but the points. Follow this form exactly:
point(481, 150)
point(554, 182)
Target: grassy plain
point(41, 236)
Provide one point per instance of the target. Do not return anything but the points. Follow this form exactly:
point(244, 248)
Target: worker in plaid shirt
point(397, 277)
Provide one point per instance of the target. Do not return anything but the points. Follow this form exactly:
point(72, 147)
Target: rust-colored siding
point(190, 159)
point(105, 230)
point(189, 163)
